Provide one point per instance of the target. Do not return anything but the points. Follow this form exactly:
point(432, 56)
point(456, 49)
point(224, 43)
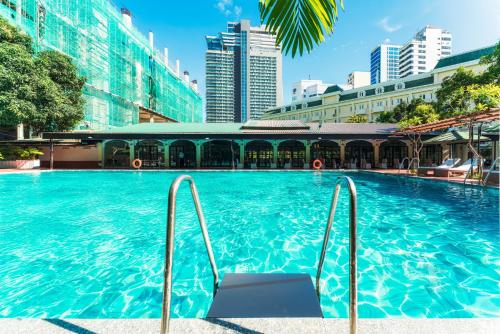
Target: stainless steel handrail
point(402, 164)
point(169, 249)
point(353, 287)
point(492, 168)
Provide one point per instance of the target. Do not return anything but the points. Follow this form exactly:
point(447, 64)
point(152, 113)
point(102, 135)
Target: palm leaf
point(299, 25)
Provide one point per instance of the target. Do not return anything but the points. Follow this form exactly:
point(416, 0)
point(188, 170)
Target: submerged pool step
point(265, 296)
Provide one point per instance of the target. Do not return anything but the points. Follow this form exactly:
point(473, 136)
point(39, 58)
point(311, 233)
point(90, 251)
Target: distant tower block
point(186, 76)
point(165, 55)
point(127, 17)
point(178, 67)
point(151, 39)
point(194, 84)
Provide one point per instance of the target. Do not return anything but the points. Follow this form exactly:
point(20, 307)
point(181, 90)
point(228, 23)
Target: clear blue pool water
point(91, 244)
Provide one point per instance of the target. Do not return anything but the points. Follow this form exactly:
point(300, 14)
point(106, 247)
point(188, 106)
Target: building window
point(361, 94)
point(400, 85)
point(379, 90)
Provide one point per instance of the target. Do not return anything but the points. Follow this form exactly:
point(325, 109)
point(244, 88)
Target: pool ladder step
point(262, 295)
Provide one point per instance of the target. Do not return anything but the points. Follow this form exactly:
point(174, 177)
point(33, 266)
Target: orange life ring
point(317, 164)
point(137, 163)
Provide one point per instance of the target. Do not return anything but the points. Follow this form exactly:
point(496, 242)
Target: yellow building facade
point(337, 105)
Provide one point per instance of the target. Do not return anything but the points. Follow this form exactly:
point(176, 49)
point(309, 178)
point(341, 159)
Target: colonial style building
point(336, 104)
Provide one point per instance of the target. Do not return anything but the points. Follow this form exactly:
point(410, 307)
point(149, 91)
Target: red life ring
point(317, 164)
point(137, 163)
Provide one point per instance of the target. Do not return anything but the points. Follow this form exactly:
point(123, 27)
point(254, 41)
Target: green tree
point(492, 73)
point(422, 114)
point(42, 91)
point(299, 25)
point(357, 119)
point(449, 99)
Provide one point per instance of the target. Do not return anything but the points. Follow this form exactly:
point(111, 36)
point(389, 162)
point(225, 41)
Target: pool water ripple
point(91, 244)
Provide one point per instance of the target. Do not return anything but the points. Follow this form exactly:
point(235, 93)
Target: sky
point(182, 26)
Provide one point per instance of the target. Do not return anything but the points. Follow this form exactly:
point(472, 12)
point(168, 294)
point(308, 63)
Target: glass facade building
point(125, 75)
point(384, 63)
point(243, 73)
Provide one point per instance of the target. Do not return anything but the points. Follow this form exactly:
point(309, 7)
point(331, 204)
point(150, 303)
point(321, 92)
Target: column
point(242, 144)
point(307, 143)
point(446, 151)
point(198, 154)
point(275, 153)
point(131, 145)
point(342, 152)
point(376, 153)
point(100, 154)
point(166, 153)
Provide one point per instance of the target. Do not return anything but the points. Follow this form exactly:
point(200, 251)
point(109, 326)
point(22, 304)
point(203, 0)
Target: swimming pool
point(91, 244)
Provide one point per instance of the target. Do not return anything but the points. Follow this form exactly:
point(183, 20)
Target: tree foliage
point(422, 114)
point(357, 119)
point(492, 73)
point(42, 91)
point(299, 25)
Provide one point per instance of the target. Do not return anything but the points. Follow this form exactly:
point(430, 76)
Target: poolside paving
point(251, 326)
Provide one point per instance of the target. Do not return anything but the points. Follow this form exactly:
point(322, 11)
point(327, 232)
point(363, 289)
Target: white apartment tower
point(422, 53)
point(304, 89)
point(243, 73)
point(358, 79)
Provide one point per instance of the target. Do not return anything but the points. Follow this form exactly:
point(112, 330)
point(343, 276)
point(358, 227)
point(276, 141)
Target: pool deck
point(252, 326)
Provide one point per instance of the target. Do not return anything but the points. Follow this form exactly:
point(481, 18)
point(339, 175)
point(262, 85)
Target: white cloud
point(384, 24)
point(387, 41)
point(228, 8)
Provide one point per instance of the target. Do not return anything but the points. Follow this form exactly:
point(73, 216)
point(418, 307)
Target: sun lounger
point(383, 164)
point(462, 169)
point(439, 170)
point(287, 165)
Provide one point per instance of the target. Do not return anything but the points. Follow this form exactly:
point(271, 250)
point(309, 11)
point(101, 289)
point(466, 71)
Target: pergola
point(487, 115)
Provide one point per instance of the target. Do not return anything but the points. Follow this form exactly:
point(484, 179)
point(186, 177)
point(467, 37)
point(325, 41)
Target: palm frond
point(299, 25)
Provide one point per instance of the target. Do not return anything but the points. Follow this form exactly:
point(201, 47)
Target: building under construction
point(128, 81)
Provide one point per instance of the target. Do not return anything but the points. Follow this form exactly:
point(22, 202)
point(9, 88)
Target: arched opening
point(431, 155)
point(220, 153)
point(359, 154)
point(258, 154)
point(392, 152)
point(182, 154)
point(117, 154)
point(291, 154)
point(327, 152)
point(150, 152)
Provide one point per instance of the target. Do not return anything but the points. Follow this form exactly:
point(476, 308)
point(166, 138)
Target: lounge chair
point(287, 165)
point(438, 170)
point(273, 165)
point(253, 165)
point(353, 164)
point(463, 169)
point(383, 164)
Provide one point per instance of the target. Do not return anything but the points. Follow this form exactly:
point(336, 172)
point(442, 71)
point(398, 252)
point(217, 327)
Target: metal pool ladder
point(263, 295)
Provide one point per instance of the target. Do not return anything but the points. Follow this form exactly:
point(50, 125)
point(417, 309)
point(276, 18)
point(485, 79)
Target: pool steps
point(262, 295)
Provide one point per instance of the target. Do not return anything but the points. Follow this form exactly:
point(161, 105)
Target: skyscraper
point(243, 73)
point(422, 53)
point(384, 64)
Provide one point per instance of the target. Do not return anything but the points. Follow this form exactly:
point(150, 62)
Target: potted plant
point(20, 158)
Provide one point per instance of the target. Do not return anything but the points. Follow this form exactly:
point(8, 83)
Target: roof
point(262, 129)
point(176, 128)
point(332, 89)
point(487, 115)
point(451, 137)
point(465, 57)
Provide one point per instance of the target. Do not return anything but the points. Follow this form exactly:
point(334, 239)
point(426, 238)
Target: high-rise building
point(384, 64)
point(358, 79)
point(423, 51)
point(243, 73)
point(308, 88)
point(127, 80)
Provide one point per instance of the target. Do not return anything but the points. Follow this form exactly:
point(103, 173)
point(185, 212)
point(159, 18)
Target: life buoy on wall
point(137, 163)
point(317, 164)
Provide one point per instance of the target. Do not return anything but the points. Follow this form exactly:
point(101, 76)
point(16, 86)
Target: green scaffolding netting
point(123, 73)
